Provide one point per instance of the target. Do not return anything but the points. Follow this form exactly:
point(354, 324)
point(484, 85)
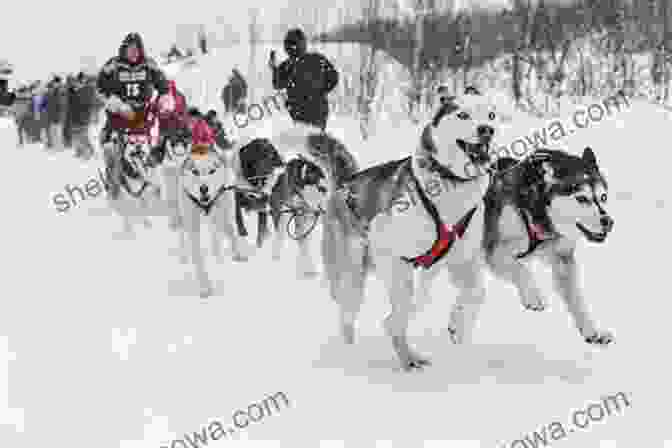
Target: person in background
point(234, 94)
point(307, 78)
point(82, 105)
point(55, 114)
point(173, 125)
point(39, 127)
point(69, 88)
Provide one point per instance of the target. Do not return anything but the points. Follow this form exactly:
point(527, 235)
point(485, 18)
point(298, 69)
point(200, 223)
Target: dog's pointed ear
point(588, 157)
point(471, 90)
point(426, 141)
point(447, 107)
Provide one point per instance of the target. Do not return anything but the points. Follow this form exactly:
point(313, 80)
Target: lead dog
point(540, 208)
point(422, 211)
point(139, 183)
point(206, 187)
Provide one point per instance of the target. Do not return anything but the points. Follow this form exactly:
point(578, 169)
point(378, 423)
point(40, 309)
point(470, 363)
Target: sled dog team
point(513, 211)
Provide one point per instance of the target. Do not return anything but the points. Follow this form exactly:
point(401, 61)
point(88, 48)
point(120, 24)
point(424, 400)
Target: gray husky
point(422, 212)
point(541, 208)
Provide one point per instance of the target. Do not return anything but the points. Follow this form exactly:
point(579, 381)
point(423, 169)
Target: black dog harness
point(206, 207)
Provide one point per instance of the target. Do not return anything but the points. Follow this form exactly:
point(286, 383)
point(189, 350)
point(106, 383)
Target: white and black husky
point(421, 212)
point(139, 184)
point(206, 187)
point(296, 202)
point(541, 208)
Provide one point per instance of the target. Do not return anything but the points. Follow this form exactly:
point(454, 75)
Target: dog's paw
point(415, 362)
point(454, 335)
point(599, 338)
point(533, 301)
point(205, 292)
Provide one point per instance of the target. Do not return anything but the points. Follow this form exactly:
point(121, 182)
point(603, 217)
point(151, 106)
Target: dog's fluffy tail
point(345, 254)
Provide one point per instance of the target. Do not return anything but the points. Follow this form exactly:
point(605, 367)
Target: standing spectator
point(307, 78)
point(55, 113)
point(82, 106)
point(67, 134)
point(234, 94)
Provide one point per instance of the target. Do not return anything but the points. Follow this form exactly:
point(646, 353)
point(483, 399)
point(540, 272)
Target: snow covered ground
point(104, 342)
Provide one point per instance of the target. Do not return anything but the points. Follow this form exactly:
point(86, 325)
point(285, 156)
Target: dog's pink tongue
point(537, 231)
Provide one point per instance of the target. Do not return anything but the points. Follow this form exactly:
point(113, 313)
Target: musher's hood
point(132, 38)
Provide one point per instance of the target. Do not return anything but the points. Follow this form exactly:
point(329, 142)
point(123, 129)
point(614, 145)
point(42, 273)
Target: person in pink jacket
point(173, 125)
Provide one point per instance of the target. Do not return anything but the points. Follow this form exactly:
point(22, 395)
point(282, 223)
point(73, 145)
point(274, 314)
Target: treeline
point(441, 39)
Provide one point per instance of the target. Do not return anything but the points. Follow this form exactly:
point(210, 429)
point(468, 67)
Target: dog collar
point(430, 163)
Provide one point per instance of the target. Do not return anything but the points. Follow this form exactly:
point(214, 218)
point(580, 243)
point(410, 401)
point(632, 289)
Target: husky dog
point(138, 181)
point(296, 201)
point(258, 166)
point(206, 184)
point(321, 148)
point(174, 152)
point(422, 212)
point(541, 208)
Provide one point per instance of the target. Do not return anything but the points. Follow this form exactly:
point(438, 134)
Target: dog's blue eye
point(212, 171)
point(491, 115)
point(463, 116)
point(195, 171)
point(603, 198)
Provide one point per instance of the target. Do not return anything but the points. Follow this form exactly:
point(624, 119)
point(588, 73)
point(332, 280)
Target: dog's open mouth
point(477, 152)
point(592, 236)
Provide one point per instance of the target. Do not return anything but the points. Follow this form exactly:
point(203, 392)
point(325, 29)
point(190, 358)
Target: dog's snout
point(607, 221)
point(485, 131)
point(204, 190)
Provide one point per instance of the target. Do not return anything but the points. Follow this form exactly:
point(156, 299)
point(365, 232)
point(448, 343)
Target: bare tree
point(522, 25)
point(368, 67)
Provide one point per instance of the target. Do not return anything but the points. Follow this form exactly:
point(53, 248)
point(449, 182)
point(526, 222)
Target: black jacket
point(133, 83)
point(308, 80)
point(81, 105)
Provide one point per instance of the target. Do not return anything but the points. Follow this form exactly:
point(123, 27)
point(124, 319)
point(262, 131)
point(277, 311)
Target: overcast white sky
point(41, 38)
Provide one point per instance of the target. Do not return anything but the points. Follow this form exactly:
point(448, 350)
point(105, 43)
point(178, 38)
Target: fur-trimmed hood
point(132, 38)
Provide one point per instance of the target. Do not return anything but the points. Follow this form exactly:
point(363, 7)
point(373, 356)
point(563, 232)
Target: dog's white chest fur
point(408, 230)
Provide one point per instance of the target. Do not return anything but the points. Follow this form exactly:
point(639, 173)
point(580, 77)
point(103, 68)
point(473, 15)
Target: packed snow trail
point(104, 342)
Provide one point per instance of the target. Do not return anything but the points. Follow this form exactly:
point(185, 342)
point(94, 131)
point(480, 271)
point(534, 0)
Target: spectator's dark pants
point(81, 141)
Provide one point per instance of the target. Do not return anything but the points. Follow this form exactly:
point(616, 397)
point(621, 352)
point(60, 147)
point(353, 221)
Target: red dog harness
point(446, 234)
